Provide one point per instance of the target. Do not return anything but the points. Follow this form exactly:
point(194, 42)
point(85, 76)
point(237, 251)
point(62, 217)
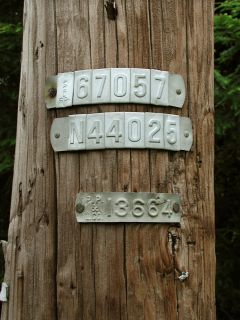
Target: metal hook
point(183, 276)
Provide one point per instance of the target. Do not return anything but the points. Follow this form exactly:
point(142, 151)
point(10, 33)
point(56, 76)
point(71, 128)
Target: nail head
point(57, 135)
point(80, 207)
point(176, 207)
point(52, 92)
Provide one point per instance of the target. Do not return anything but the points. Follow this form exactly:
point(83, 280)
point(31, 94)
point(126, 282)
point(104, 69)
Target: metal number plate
point(120, 85)
point(154, 131)
point(82, 87)
point(115, 85)
point(101, 85)
point(77, 132)
point(128, 207)
point(95, 135)
point(140, 86)
point(114, 130)
point(65, 90)
point(134, 130)
point(122, 130)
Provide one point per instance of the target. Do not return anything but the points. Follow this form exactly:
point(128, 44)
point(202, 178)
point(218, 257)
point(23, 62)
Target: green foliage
point(227, 164)
point(10, 44)
point(227, 80)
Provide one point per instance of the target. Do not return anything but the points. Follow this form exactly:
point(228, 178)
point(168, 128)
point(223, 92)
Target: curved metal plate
point(115, 207)
point(121, 130)
point(115, 85)
point(176, 91)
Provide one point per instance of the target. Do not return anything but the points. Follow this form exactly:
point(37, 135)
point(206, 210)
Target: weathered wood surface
point(59, 269)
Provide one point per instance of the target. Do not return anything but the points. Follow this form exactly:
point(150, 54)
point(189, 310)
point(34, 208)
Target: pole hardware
point(115, 85)
point(183, 276)
point(4, 292)
point(113, 130)
point(115, 207)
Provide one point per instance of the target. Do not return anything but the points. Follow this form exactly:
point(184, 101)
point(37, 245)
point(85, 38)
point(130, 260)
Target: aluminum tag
point(4, 292)
point(111, 207)
point(122, 130)
point(115, 85)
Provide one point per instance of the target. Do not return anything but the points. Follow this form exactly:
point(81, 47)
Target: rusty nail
point(57, 135)
point(80, 207)
point(52, 92)
point(176, 207)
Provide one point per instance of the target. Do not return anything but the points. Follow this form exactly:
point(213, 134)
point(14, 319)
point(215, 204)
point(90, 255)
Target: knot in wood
point(112, 10)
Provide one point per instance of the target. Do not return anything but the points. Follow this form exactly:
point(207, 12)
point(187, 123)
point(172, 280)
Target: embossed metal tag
point(115, 85)
point(121, 130)
point(111, 207)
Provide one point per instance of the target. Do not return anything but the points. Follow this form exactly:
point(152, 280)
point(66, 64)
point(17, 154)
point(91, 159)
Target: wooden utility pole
point(57, 268)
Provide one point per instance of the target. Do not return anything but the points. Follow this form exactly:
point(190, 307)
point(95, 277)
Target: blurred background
point(227, 137)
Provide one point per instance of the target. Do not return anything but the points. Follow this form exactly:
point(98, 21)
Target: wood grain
point(31, 252)
point(60, 269)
